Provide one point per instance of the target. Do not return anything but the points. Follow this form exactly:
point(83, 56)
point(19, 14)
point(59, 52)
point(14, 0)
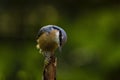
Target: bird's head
point(50, 37)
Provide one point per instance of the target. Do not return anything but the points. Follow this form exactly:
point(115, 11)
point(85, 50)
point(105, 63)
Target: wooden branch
point(49, 72)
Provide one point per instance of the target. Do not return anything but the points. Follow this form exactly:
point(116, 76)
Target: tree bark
point(49, 72)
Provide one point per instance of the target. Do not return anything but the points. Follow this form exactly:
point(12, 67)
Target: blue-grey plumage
point(50, 37)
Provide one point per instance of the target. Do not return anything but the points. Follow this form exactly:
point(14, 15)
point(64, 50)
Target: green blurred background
point(92, 51)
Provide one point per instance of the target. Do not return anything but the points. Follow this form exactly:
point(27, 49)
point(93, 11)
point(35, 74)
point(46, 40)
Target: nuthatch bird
point(50, 38)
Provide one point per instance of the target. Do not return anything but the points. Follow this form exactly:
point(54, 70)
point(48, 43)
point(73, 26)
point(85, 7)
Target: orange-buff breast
point(47, 41)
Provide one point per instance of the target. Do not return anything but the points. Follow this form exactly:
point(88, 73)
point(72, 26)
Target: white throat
point(57, 37)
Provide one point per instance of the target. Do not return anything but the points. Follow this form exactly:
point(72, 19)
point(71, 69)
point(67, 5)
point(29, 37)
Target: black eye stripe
point(56, 28)
point(60, 37)
point(60, 34)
